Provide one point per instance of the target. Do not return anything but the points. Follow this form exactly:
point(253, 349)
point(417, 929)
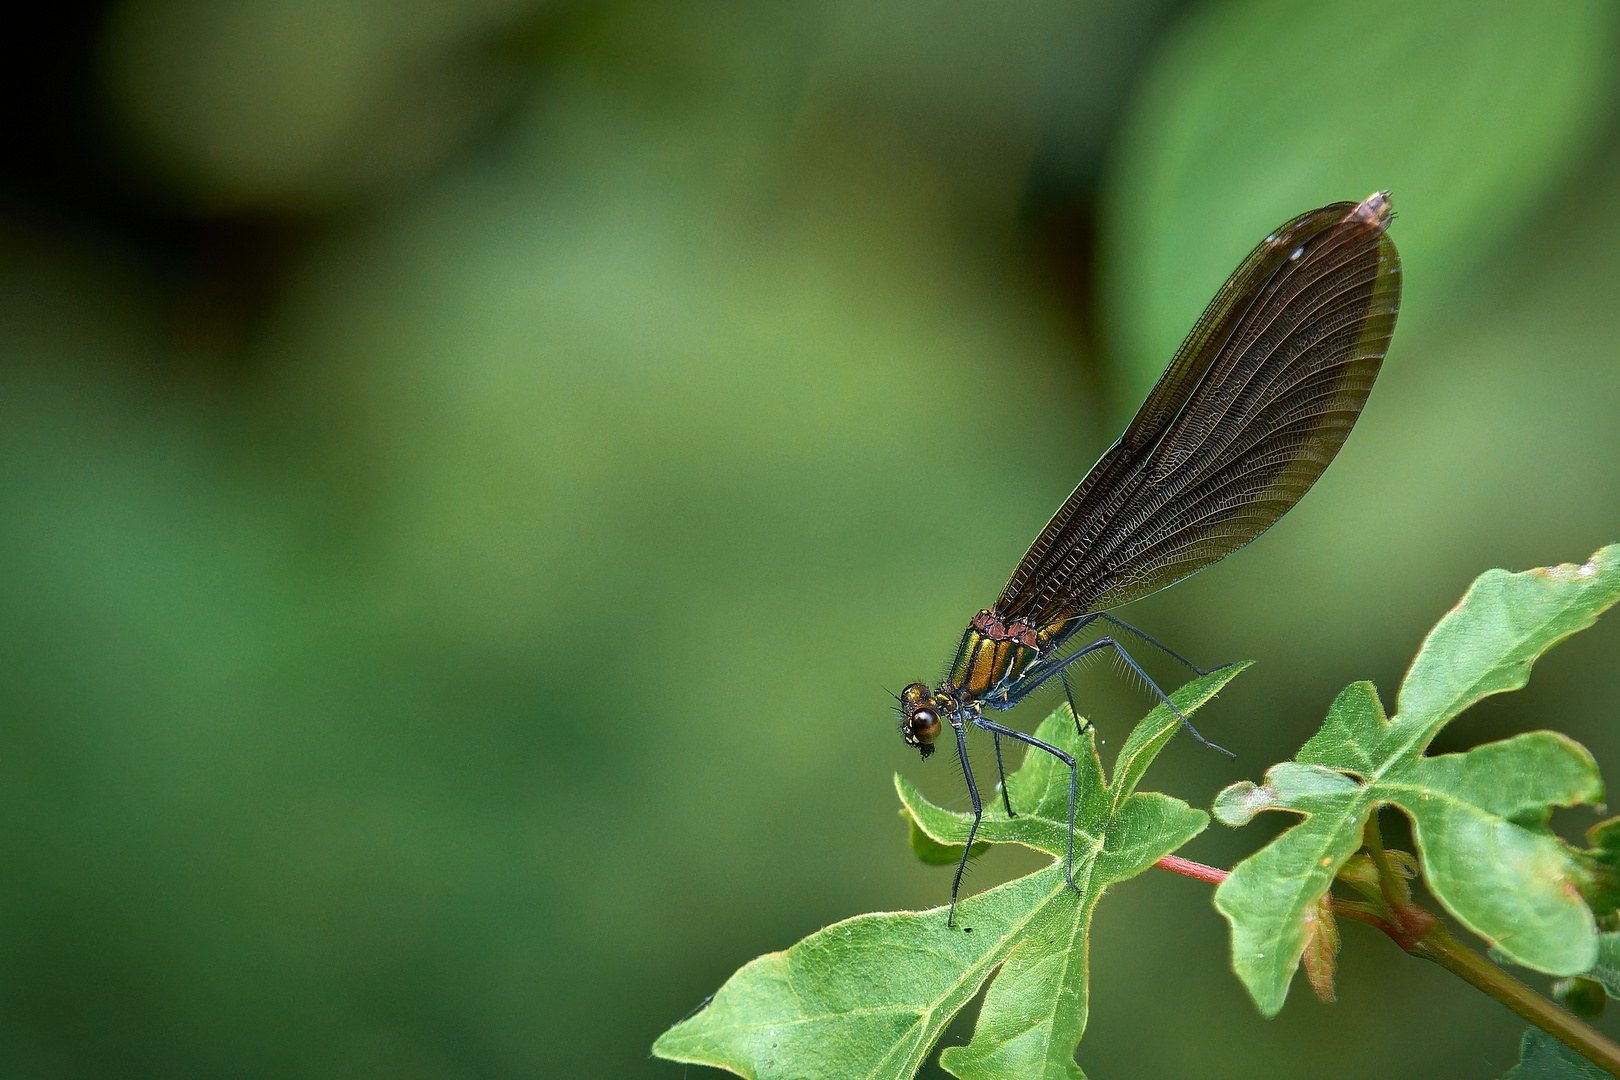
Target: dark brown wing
point(1255, 404)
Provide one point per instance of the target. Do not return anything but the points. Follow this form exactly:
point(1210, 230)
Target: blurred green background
point(471, 470)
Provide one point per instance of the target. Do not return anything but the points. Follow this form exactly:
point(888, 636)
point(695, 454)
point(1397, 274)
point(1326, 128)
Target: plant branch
point(1420, 933)
point(1350, 909)
point(1438, 945)
point(1396, 893)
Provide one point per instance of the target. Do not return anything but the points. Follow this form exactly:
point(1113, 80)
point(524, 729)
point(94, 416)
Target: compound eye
point(924, 725)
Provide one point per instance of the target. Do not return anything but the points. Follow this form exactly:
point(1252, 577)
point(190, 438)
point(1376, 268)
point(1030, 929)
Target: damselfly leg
point(1156, 643)
point(978, 815)
point(1059, 668)
point(1033, 679)
point(1001, 774)
point(999, 730)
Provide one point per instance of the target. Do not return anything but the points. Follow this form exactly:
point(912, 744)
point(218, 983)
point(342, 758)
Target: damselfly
point(1256, 402)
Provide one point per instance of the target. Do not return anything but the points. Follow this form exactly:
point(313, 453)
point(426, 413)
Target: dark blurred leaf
point(1256, 110)
point(1606, 972)
point(870, 996)
point(980, 88)
point(1507, 881)
point(304, 106)
point(1542, 1057)
point(1582, 996)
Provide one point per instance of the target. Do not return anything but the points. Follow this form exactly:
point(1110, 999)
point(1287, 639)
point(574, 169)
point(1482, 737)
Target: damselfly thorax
point(995, 651)
point(994, 654)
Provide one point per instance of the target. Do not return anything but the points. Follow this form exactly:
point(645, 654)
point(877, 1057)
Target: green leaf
point(865, 997)
point(931, 851)
point(1258, 110)
point(869, 996)
point(1478, 817)
point(1542, 1057)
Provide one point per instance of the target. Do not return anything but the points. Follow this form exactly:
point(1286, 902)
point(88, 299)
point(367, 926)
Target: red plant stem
point(1187, 868)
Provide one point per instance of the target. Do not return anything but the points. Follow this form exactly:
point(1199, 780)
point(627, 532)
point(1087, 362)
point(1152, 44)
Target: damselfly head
point(919, 718)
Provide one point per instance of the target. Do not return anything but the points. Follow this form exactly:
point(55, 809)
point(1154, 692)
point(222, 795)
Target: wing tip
point(1375, 210)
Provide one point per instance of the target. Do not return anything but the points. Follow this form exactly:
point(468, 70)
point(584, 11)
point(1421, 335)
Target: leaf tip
point(1238, 803)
